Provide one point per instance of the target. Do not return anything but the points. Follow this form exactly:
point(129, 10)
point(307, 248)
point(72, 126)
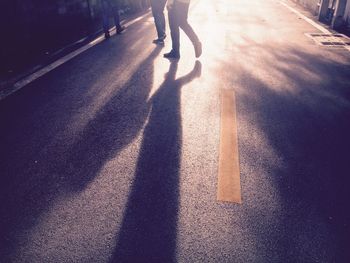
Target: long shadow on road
point(148, 231)
point(307, 124)
point(28, 188)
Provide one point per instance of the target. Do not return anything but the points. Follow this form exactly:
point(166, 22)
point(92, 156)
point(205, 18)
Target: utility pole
point(324, 4)
point(338, 18)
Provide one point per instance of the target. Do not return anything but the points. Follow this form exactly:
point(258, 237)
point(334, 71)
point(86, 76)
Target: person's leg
point(159, 19)
point(115, 8)
point(145, 4)
point(174, 32)
point(182, 15)
point(105, 17)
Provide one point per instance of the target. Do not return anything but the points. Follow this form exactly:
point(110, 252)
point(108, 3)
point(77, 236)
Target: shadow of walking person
point(148, 230)
point(71, 168)
point(114, 127)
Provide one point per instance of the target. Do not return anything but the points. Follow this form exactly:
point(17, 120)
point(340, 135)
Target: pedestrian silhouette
point(149, 227)
point(178, 13)
point(111, 8)
point(159, 20)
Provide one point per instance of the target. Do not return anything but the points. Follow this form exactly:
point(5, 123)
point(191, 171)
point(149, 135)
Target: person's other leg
point(174, 32)
point(116, 8)
point(182, 16)
point(145, 4)
point(159, 19)
point(105, 17)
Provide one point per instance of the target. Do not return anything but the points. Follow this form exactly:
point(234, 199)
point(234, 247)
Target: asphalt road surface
point(113, 156)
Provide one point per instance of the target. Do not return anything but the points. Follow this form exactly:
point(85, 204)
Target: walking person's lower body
point(111, 8)
point(159, 19)
point(178, 14)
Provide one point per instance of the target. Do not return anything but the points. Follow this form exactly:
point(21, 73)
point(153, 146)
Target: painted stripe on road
point(20, 84)
point(229, 185)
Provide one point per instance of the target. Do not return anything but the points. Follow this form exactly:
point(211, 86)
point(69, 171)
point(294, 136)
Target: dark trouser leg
point(174, 29)
point(182, 14)
point(115, 9)
point(159, 19)
point(105, 15)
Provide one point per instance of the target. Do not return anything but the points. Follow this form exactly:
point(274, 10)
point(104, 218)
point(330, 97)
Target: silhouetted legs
point(178, 14)
point(111, 8)
point(159, 19)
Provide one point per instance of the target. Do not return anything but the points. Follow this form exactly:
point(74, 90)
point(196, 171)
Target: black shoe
point(120, 30)
point(158, 41)
point(198, 49)
point(172, 54)
point(107, 35)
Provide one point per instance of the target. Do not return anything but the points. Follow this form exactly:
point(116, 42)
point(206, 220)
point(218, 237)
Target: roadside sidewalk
point(8, 83)
point(314, 17)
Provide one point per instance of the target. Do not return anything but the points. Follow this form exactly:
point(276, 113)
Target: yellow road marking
point(229, 185)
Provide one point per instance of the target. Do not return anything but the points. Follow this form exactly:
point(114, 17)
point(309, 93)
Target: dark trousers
point(158, 14)
point(110, 8)
point(178, 14)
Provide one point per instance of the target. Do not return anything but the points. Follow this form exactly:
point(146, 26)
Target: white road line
point(310, 21)
point(20, 84)
point(23, 82)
